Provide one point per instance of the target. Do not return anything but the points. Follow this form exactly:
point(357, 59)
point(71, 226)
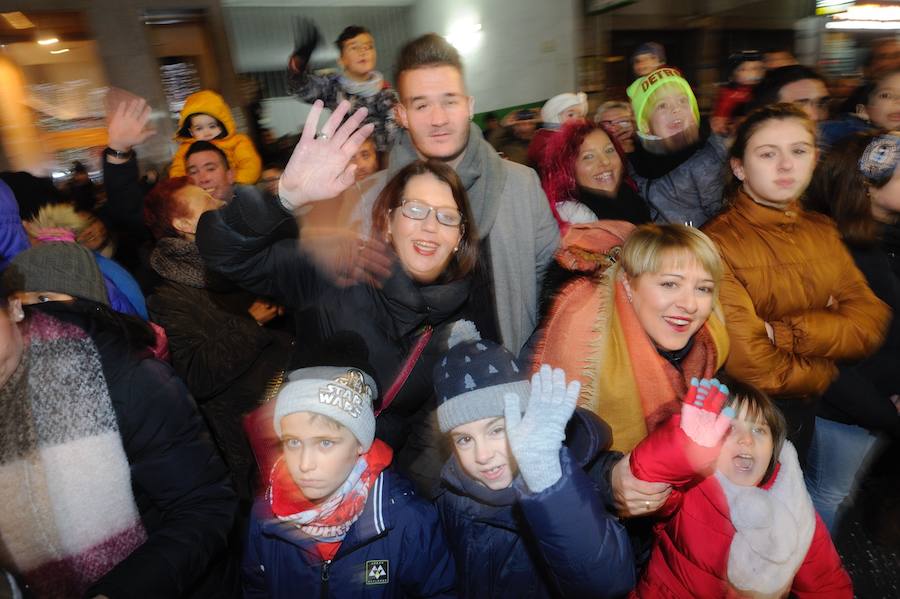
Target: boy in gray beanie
point(521, 516)
point(335, 520)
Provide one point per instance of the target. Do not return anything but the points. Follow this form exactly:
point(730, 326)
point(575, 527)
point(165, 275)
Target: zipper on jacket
point(325, 567)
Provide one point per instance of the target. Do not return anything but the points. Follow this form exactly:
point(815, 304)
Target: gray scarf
point(179, 260)
point(481, 171)
point(367, 88)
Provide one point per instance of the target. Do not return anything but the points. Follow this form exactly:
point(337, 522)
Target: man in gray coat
point(511, 211)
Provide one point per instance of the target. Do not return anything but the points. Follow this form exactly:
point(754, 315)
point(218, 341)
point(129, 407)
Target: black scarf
point(627, 205)
point(412, 305)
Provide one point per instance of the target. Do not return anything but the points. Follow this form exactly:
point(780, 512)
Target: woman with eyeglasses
point(393, 328)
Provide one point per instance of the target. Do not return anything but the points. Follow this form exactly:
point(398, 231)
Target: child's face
point(747, 452)
point(670, 112)
point(365, 159)
point(749, 72)
point(358, 55)
point(644, 64)
point(883, 108)
point(483, 452)
point(319, 455)
point(204, 127)
point(571, 113)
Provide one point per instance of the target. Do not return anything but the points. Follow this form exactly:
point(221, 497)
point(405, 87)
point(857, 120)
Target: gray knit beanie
point(470, 381)
point(60, 267)
point(341, 393)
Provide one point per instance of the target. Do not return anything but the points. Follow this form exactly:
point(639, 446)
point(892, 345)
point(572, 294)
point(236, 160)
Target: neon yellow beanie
point(642, 89)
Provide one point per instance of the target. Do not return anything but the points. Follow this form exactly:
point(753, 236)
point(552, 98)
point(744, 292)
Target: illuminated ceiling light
point(62, 51)
point(48, 41)
point(465, 36)
point(882, 25)
point(17, 20)
point(870, 12)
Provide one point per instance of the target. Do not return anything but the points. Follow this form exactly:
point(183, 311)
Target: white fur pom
point(462, 330)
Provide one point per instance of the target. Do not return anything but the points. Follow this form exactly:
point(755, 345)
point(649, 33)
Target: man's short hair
point(767, 91)
point(429, 50)
point(206, 146)
point(348, 34)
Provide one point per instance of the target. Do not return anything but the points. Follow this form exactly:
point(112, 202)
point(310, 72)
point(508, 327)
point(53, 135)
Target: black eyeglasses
point(449, 217)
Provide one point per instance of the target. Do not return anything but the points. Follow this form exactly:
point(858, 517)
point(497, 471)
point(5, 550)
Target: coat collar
point(374, 522)
point(764, 216)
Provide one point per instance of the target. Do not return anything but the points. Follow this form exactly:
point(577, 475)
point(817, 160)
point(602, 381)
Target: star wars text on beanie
point(470, 381)
point(343, 394)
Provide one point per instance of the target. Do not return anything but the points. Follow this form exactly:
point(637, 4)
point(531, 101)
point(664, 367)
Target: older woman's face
point(672, 304)
point(195, 201)
point(597, 164)
point(425, 247)
point(10, 339)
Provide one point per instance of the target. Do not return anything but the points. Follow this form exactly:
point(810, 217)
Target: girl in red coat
point(739, 522)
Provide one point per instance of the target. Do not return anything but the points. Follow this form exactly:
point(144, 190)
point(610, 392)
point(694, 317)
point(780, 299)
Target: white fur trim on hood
point(555, 105)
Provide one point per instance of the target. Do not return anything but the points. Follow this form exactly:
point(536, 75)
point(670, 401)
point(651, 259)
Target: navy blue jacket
point(395, 549)
point(560, 542)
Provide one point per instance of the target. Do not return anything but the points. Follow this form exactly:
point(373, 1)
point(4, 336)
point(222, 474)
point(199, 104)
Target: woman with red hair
point(585, 176)
point(584, 171)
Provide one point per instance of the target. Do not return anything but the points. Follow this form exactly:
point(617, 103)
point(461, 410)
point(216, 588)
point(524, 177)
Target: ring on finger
point(324, 136)
point(647, 505)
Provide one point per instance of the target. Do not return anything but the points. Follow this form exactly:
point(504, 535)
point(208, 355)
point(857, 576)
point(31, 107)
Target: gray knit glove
point(536, 437)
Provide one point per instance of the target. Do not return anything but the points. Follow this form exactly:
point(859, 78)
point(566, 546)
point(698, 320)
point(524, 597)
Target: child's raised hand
point(320, 167)
point(701, 419)
point(536, 437)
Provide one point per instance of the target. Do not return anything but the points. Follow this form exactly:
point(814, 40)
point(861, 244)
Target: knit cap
point(59, 267)
point(738, 58)
point(555, 105)
point(341, 393)
point(642, 90)
point(879, 160)
point(471, 380)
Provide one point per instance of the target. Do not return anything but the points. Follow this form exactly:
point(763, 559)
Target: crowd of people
point(639, 353)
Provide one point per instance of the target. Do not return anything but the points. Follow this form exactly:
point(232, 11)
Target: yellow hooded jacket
point(242, 155)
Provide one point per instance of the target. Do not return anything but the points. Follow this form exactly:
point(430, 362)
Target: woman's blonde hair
point(649, 245)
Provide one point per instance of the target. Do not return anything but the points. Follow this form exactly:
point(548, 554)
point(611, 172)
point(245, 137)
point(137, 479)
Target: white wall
point(527, 50)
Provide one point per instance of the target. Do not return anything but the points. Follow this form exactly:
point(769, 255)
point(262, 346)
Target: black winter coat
point(860, 395)
point(368, 327)
point(225, 359)
point(561, 542)
point(181, 487)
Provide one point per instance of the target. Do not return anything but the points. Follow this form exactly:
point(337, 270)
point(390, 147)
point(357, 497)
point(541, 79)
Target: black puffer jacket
point(561, 542)
point(181, 487)
point(860, 395)
point(375, 328)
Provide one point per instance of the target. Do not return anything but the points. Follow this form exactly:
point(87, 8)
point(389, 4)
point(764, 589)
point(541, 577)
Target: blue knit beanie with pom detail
point(472, 378)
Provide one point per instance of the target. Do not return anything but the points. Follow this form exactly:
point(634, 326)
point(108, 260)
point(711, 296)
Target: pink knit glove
point(701, 419)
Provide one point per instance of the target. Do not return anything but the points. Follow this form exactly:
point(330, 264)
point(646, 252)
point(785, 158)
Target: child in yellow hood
point(205, 116)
